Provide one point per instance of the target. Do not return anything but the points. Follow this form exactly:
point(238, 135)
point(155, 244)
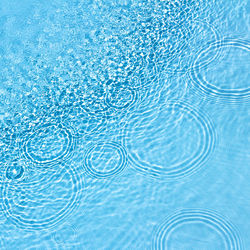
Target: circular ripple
point(48, 144)
point(224, 91)
point(105, 159)
point(196, 229)
point(15, 171)
point(183, 43)
point(44, 202)
point(13, 168)
point(170, 142)
point(121, 97)
point(65, 235)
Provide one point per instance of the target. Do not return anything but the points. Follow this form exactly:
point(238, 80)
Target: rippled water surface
point(124, 124)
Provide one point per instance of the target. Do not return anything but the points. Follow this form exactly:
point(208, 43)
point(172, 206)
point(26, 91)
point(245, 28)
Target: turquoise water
point(124, 124)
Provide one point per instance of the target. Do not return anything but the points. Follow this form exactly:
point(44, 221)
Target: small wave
point(121, 97)
point(182, 43)
point(36, 205)
point(204, 86)
point(100, 166)
point(171, 142)
point(47, 144)
point(224, 229)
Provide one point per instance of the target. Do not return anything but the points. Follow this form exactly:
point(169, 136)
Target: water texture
point(124, 124)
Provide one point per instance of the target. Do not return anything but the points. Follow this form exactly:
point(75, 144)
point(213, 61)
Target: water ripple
point(36, 204)
point(171, 142)
point(225, 91)
point(15, 171)
point(121, 97)
point(47, 144)
point(204, 218)
point(105, 159)
point(182, 43)
point(66, 236)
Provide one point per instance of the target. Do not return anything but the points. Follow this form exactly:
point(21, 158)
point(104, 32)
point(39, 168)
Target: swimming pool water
point(124, 124)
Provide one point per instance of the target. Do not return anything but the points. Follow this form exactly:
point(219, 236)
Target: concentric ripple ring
point(42, 147)
point(115, 101)
point(168, 151)
point(208, 87)
point(215, 37)
point(15, 171)
point(104, 147)
point(221, 227)
point(36, 205)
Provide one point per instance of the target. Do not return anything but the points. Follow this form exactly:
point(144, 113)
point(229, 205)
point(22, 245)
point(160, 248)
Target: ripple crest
point(219, 225)
point(96, 154)
point(159, 147)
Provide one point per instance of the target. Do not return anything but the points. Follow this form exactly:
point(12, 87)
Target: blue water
point(124, 124)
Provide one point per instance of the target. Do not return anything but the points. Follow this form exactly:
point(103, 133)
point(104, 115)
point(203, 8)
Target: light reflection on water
point(115, 114)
